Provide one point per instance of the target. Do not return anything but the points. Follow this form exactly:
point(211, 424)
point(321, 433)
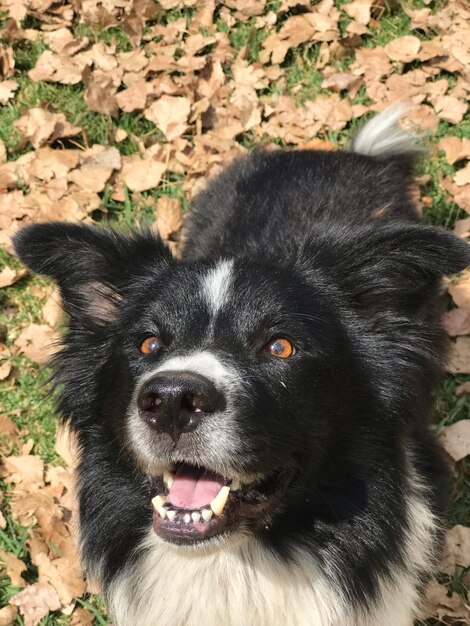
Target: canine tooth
point(171, 514)
point(187, 518)
point(235, 485)
point(206, 514)
point(218, 503)
point(196, 516)
point(159, 501)
point(162, 512)
point(167, 478)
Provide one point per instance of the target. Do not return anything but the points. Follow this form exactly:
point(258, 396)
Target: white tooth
point(196, 516)
point(206, 515)
point(171, 514)
point(218, 503)
point(159, 501)
point(187, 518)
point(235, 485)
point(162, 512)
point(168, 478)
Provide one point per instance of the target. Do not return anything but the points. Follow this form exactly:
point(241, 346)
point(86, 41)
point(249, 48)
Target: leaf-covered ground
point(119, 110)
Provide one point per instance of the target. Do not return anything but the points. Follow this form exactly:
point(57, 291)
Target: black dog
point(253, 418)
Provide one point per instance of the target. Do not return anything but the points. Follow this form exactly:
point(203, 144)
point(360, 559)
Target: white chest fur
point(241, 585)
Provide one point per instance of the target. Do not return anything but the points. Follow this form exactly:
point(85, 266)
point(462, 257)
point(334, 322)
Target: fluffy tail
point(382, 137)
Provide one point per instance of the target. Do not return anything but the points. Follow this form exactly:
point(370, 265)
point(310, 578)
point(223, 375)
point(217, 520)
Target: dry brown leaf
point(372, 63)
point(36, 341)
point(463, 388)
point(5, 370)
point(170, 114)
point(450, 109)
point(134, 98)
point(455, 148)
point(64, 575)
point(142, 174)
point(35, 602)
point(7, 90)
point(456, 548)
point(52, 312)
point(169, 216)
point(81, 617)
point(7, 62)
point(40, 127)
point(14, 568)
point(8, 615)
point(460, 291)
point(59, 68)
point(24, 470)
point(439, 603)
point(462, 177)
point(455, 440)
point(8, 276)
point(100, 94)
point(404, 49)
point(359, 10)
point(457, 322)
point(459, 362)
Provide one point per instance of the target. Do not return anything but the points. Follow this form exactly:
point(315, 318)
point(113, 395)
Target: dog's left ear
point(91, 265)
point(393, 265)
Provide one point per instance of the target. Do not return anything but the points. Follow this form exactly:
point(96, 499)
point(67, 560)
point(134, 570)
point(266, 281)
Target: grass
point(25, 395)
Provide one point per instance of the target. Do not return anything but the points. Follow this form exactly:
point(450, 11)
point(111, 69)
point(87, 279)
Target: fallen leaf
point(5, 370)
point(26, 469)
point(455, 440)
point(456, 548)
point(359, 10)
point(462, 177)
point(460, 291)
point(37, 342)
point(170, 114)
point(14, 567)
point(455, 148)
point(440, 603)
point(457, 322)
point(404, 49)
point(81, 617)
point(35, 602)
point(459, 362)
point(8, 276)
point(450, 109)
point(463, 388)
point(8, 615)
point(169, 216)
point(142, 174)
point(39, 127)
point(7, 90)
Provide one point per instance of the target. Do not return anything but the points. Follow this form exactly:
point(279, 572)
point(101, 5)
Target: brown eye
point(281, 348)
point(150, 345)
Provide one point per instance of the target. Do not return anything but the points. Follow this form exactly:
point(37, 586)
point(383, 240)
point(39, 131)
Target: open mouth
point(193, 504)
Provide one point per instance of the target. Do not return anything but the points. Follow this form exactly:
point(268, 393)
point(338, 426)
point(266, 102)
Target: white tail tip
point(381, 136)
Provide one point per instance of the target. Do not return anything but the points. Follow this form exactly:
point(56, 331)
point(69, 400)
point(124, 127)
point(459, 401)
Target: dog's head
point(233, 387)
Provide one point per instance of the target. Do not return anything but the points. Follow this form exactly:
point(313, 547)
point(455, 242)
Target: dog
point(253, 418)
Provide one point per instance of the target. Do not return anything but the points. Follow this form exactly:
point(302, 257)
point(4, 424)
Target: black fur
point(329, 252)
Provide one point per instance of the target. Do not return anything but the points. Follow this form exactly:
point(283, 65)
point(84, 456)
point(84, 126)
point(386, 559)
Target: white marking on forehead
point(216, 285)
point(204, 363)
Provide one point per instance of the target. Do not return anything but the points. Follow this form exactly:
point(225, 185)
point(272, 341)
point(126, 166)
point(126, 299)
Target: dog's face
point(220, 383)
point(232, 390)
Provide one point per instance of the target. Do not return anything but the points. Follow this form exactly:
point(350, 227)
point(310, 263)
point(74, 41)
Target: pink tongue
point(193, 488)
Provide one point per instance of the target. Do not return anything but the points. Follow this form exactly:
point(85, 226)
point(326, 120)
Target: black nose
point(176, 402)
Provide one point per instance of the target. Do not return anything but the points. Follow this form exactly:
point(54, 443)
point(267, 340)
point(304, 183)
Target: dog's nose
point(176, 402)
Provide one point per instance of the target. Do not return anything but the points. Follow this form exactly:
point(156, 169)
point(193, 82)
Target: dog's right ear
point(91, 265)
